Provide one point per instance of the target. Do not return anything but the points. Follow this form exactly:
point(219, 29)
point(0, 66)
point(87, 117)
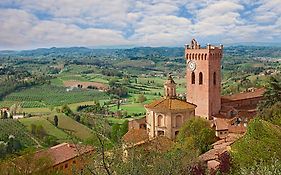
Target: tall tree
point(271, 96)
point(56, 120)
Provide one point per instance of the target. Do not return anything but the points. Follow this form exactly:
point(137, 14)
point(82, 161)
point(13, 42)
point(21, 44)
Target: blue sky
point(26, 24)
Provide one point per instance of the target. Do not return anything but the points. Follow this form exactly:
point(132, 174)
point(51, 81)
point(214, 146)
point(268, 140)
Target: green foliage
point(66, 110)
point(261, 142)
point(196, 133)
point(38, 131)
point(13, 127)
point(272, 94)
point(262, 168)
point(141, 98)
point(272, 114)
point(56, 120)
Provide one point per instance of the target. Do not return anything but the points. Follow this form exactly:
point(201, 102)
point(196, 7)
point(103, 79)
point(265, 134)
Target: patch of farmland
point(74, 83)
point(14, 127)
point(49, 95)
point(49, 127)
point(73, 127)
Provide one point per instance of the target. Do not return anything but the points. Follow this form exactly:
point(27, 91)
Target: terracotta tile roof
point(237, 129)
point(170, 104)
point(63, 152)
point(243, 95)
point(212, 154)
point(134, 136)
point(213, 164)
point(221, 124)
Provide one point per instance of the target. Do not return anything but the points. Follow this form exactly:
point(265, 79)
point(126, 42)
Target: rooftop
point(135, 136)
point(170, 104)
point(221, 124)
point(243, 95)
point(63, 152)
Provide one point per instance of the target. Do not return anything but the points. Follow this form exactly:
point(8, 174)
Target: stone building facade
point(164, 117)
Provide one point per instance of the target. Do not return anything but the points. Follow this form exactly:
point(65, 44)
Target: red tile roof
point(243, 95)
point(237, 129)
point(63, 152)
point(221, 124)
point(135, 136)
point(170, 104)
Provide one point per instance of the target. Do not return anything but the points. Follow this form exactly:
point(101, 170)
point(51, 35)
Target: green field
point(130, 108)
point(48, 126)
point(72, 127)
point(13, 127)
point(50, 95)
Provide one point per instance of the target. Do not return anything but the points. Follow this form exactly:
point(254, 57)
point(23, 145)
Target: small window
point(74, 162)
point(66, 165)
point(193, 78)
point(200, 78)
point(215, 78)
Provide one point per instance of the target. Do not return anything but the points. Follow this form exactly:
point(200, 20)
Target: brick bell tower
point(203, 74)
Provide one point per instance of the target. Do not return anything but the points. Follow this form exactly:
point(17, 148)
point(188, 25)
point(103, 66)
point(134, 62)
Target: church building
point(227, 114)
point(165, 116)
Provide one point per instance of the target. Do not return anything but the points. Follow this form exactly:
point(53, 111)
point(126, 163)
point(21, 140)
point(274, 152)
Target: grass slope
point(49, 127)
point(73, 127)
point(17, 129)
point(262, 141)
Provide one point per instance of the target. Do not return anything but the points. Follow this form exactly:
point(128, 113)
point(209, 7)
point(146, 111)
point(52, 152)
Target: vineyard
point(15, 128)
point(49, 95)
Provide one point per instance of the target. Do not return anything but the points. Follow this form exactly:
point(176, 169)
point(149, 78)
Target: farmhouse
point(67, 158)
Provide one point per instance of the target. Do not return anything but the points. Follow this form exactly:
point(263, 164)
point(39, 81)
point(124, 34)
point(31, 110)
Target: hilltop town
point(145, 114)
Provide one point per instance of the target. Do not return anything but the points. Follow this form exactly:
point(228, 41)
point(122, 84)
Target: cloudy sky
point(26, 24)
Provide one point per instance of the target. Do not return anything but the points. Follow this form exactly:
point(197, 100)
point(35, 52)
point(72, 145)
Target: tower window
point(205, 56)
point(193, 78)
point(215, 78)
point(200, 78)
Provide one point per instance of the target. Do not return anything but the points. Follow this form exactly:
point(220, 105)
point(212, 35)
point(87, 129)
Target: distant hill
point(139, 52)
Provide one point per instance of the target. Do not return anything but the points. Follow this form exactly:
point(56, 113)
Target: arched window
point(200, 78)
point(178, 120)
point(193, 56)
point(215, 78)
point(199, 56)
point(193, 78)
point(160, 120)
point(205, 56)
point(196, 56)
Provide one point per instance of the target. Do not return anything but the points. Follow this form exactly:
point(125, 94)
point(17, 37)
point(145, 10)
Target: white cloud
point(34, 23)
